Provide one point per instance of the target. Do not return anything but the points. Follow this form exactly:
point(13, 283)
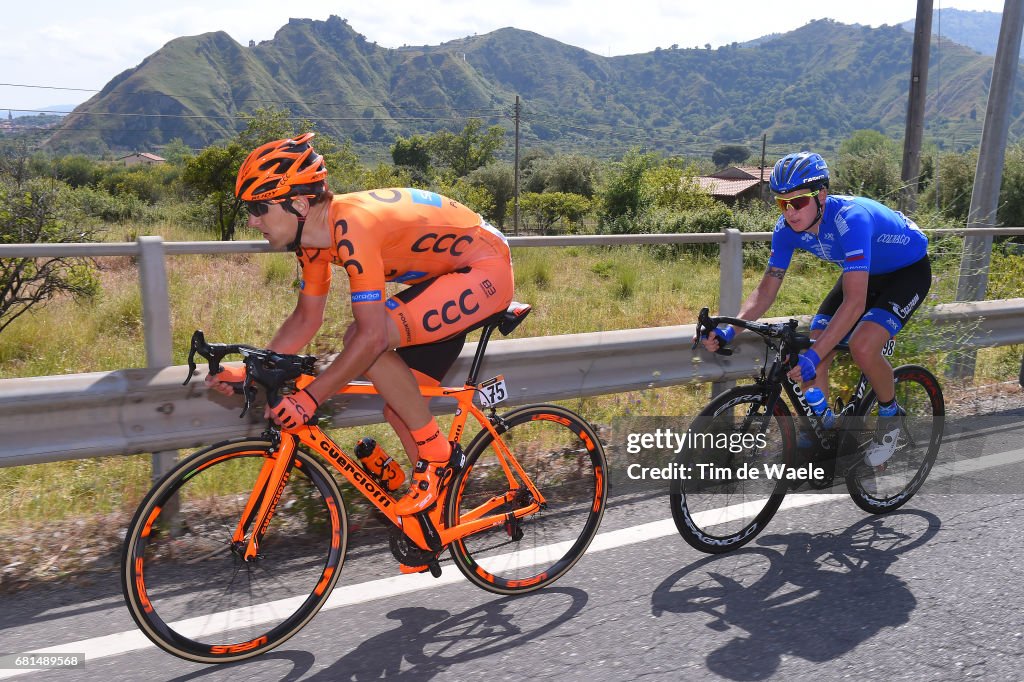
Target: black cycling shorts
point(892, 297)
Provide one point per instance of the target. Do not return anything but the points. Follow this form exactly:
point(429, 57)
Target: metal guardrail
point(129, 411)
point(145, 410)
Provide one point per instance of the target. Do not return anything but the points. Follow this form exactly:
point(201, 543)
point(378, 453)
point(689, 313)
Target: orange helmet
point(281, 169)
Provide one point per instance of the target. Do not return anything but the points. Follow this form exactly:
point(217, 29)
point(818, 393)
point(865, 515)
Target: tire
point(564, 458)
point(879, 490)
point(722, 514)
point(186, 584)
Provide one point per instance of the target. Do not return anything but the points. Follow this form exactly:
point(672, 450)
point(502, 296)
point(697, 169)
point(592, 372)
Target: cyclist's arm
point(301, 325)
point(855, 295)
point(367, 339)
point(757, 302)
point(294, 333)
point(763, 295)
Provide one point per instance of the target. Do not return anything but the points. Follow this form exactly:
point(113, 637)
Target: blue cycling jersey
point(856, 232)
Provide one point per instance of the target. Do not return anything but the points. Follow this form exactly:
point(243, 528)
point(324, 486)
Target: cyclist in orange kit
point(457, 266)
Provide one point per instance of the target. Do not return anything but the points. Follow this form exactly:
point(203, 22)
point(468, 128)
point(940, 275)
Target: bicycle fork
point(262, 502)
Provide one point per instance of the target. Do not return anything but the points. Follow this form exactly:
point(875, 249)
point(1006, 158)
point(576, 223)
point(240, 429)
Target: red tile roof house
point(735, 183)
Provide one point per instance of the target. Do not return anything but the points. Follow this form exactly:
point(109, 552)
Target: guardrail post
point(1020, 377)
point(730, 285)
point(156, 317)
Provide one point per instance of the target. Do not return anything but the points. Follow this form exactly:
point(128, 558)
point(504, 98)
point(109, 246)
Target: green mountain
point(808, 87)
point(977, 30)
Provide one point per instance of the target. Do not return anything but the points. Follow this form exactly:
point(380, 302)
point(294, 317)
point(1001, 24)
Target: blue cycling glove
point(726, 334)
point(808, 363)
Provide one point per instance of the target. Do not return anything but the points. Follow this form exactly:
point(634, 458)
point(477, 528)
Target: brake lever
point(704, 322)
point(197, 338)
point(248, 390)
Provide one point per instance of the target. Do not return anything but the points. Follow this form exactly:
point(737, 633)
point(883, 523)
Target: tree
point(76, 170)
point(412, 153)
point(953, 184)
point(572, 173)
point(669, 186)
point(621, 194)
point(468, 150)
point(1011, 198)
point(212, 172)
point(730, 154)
point(869, 165)
point(176, 152)
point(544, 210)
point(864, 142)
point(39, 211)
point(498, 180)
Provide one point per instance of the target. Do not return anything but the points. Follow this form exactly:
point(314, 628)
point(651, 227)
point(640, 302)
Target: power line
point(263, 100)
point(46, 87)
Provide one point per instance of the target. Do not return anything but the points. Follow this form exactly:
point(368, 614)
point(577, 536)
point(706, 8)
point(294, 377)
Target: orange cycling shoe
point(427, 480)
point(412, 569)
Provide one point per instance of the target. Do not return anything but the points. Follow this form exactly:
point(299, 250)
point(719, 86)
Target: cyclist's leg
point(892, 300)
point(819, 323)
point(866, 343)
point(434, 311)
point(415, 425)
point(399, 389)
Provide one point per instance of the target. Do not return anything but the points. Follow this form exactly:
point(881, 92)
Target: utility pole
point(915, 106)
point(515, 175)
point(760, 188)
point(989, 173)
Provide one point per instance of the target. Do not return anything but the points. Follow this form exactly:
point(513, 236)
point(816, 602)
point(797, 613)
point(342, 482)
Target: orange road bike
point(237, 548)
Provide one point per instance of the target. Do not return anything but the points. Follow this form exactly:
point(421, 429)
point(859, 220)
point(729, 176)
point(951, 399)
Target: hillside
point(976, 30)
point(677, 100)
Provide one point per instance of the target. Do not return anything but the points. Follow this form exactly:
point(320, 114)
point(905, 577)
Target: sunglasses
point(797, 202)
point(257, 208)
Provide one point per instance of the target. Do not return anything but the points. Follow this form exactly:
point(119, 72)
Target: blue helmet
point(798, 171)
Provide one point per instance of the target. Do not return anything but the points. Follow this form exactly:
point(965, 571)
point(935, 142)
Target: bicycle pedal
point(435, 568)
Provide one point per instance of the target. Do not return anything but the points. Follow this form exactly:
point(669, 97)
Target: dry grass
point(243, 297)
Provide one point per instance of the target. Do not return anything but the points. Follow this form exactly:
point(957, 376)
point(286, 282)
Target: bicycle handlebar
point(264, 367)
point(706, 322)
point(792, 341)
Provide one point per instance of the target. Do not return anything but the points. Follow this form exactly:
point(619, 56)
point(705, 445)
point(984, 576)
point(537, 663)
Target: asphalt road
point(930, 592)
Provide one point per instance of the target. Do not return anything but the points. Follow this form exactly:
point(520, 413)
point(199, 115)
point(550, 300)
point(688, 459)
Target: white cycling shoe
point(882, 449)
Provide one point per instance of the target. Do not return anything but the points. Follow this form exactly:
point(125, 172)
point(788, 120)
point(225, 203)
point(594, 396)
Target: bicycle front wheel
point(719, 505)
point(563, 458)
point(185, 581)
point(884, 488)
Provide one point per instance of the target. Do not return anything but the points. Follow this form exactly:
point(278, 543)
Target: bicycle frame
point(429, 532)
point(775, 379)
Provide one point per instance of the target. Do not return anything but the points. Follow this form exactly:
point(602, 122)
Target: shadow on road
point(817, 597)
point(428, 641)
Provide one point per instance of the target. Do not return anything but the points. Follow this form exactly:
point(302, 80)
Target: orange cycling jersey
point(397, 235)
point(459, 265)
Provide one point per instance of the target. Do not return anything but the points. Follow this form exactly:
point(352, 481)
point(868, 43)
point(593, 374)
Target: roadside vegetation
point(92, 321)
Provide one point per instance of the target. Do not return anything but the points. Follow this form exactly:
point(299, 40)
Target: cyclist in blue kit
point(886, 276)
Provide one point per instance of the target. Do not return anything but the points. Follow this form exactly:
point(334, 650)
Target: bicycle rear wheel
point(717, 508)
point(185, 581)
point(564, 459)
point(888, 487)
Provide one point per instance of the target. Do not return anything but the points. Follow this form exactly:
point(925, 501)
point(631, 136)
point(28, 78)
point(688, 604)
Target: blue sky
point(73, 44)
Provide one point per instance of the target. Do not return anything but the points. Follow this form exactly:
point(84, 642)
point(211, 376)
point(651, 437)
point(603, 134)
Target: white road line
point(133, 640)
